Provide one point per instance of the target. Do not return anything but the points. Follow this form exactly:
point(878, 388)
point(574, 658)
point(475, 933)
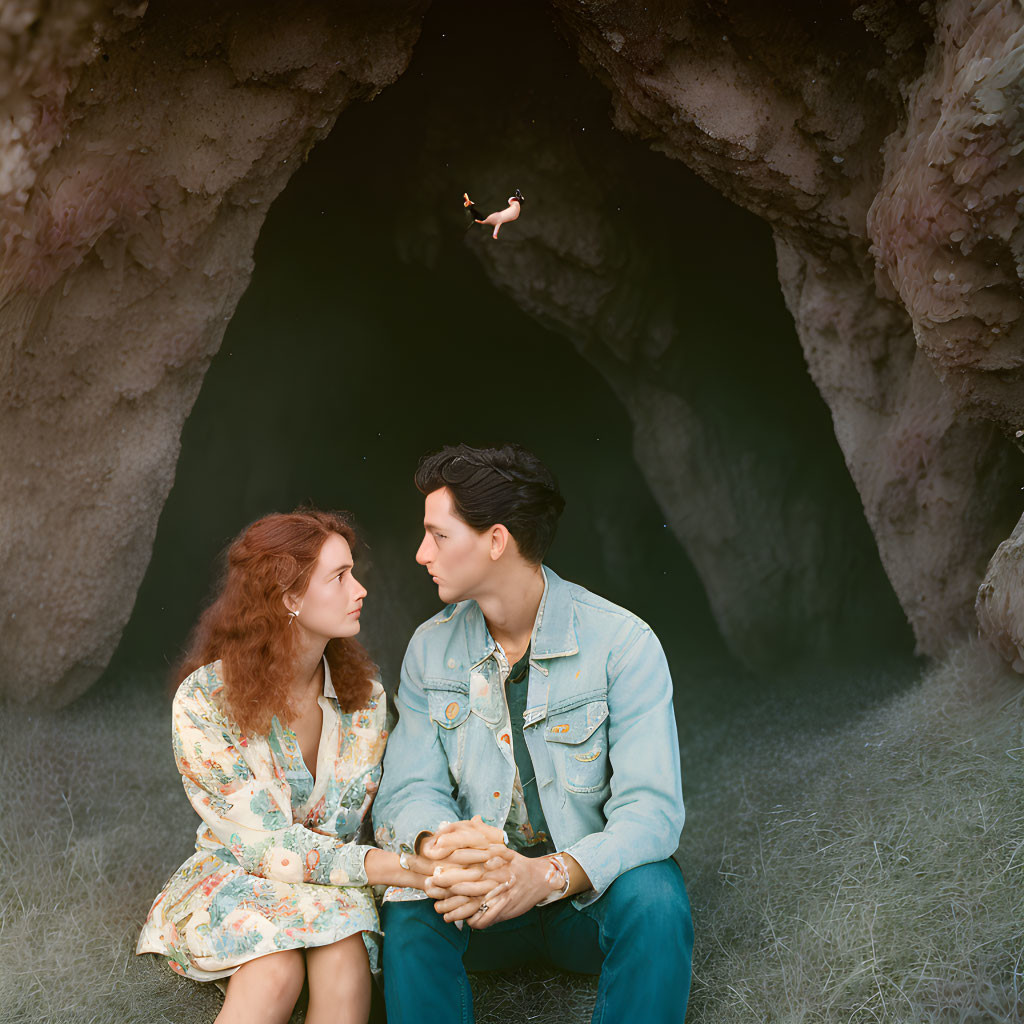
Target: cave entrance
point(371, 333)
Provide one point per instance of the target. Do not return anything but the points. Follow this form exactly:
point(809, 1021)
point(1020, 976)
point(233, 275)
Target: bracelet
point(559, 871)
point(403, 860)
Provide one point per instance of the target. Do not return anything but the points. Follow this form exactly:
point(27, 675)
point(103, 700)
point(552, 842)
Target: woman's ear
point(292, 604)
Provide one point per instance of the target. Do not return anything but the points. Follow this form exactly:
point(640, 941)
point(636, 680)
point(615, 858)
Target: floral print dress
point(277, 862)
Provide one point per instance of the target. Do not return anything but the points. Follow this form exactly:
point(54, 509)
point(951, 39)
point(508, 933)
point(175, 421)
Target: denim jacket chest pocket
point(576, 730)
point(448, 707)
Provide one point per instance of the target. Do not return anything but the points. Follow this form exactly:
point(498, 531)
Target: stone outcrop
point(787, 117)
point(1000, 603)
point(740, 479)
point(638, 264)
point(946, 225)
point(142, 146)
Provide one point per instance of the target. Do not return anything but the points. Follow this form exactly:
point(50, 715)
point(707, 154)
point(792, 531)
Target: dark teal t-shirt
point(515, 692)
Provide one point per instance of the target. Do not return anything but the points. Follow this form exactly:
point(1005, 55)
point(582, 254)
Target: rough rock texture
point(1000, 603)
point(947, 223)
point(620, 253)
point(141, 149)
point(787, 115)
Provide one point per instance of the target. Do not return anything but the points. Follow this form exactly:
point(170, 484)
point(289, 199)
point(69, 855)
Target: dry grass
point(875, 873)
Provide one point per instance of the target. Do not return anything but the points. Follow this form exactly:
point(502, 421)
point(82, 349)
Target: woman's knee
point(271, 983)
point(345, 953)
point(338, 970)
point(284, 971)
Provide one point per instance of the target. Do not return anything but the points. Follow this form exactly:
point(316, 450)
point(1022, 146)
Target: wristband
point(557, 871)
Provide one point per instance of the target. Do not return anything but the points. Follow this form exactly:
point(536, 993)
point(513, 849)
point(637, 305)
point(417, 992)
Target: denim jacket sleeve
point(644, 813)
point(415, 792)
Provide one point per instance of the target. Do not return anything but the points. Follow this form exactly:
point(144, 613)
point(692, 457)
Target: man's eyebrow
point(428, 525)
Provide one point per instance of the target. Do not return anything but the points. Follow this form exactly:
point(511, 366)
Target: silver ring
point(483, 907)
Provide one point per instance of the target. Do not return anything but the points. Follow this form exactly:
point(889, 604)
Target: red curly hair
point(246, 627)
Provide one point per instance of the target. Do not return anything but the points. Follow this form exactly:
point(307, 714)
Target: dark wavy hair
point(246, 626)
point(507, 485)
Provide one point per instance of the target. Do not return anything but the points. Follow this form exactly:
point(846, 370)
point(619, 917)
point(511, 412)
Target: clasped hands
point(476, 878)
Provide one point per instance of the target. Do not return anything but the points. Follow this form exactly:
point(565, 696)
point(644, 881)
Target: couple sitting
point(530, 800)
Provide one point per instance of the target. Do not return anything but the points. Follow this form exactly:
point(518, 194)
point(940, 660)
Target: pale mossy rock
point(1000, 604)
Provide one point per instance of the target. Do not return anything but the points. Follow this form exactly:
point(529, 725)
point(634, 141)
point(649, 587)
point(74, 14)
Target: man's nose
point(423, 551)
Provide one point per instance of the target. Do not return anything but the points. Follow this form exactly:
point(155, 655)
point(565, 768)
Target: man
point(537, 746)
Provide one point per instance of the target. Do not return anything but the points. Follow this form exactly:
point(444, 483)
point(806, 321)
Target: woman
point(278, 732)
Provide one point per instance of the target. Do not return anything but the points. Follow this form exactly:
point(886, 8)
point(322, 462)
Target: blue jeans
point(638, 936)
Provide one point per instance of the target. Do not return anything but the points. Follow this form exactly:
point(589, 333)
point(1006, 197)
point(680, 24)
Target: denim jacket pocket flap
point(448, 708)
point(575, 724)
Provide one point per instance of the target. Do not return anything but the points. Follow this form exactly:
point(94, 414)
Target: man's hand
point(458, 897)
point(461, 835)
point(528, 883)
point(452, 879)
point(509, 887)
point(477, 878)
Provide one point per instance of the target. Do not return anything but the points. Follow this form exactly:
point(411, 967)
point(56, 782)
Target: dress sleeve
point(249, 809)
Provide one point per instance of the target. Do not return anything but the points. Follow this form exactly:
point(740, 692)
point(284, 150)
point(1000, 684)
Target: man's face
point(455, 555)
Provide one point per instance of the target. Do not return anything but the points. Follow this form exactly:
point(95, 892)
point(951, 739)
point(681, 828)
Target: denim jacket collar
point(554, 631)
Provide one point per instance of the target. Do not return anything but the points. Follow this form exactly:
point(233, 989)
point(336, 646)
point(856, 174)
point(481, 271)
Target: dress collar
point(328, 685)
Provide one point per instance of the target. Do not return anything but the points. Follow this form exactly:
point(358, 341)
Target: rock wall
point(143, 147)
point(645, 272)
point(789, 116)
point(946, 225)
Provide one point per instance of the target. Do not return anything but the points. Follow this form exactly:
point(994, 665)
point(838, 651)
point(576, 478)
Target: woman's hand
point(451, 878)
point(384, 868)
point(437, 877)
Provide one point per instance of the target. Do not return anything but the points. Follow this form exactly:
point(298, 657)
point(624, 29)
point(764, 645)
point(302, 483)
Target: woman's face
point(331, 604)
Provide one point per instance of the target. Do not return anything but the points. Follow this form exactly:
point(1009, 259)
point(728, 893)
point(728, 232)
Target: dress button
point(451, 663)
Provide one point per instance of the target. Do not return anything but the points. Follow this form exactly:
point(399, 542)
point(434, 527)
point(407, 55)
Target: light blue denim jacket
point(599, 727)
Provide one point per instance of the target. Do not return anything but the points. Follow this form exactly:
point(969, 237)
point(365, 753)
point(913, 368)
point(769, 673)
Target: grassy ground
point(871, 871)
